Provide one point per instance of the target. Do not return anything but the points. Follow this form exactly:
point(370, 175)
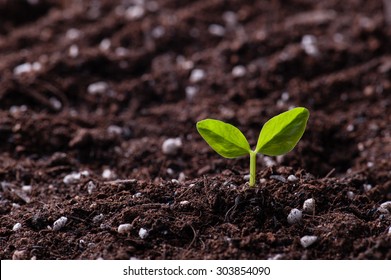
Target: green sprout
point(278, 136)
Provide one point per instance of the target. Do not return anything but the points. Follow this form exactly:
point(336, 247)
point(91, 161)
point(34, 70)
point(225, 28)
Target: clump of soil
point(90, 91)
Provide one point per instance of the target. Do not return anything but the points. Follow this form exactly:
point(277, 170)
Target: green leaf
point(281, 133)
point(225, 139)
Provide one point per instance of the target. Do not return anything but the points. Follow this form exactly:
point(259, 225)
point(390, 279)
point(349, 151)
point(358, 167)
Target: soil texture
point(100, 157)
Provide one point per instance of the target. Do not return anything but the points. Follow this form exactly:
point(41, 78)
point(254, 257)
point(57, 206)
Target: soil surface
point(90, 91)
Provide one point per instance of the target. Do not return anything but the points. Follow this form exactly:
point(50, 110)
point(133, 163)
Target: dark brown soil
point(55, 120)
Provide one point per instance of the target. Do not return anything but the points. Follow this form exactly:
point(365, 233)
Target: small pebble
point(197, 75)
point(27, 188)
point(85, 173)
point(27, 68)
point(294, 216)
point(309, 45)
point(105, 44)
point(389, 230)
point(239, 71)
point(309, 205)
point(191, 92)
point(17, 227)
point(170, 171)
point(22, 69)
point(216, 30)
point(72, 178)
point(97, 219)
point(82, 243)
point(385, 207)
point(36, 66)
point(73, 51)
point(350, 128)
point(91, 187)
point(75, 177)
point(184, 202)
point(269, 162)
point(114, 130)
point(285, 96)
point(367, 187)
point(56, 104)
point(72, 34)
point(124, 228)
point(308, 240)
point(108, 174)
point(104, 226)
point(158, 32)
point(184, 63)
point(246, 177)
point(98, 88)
point(292, 178)
point(143, 233)
point(171, 146)
point(14, 110)
point(278, 178)
point(60, 223)
point(350, 195)
point(262, 181)
point(137, 195)
point(181, 177)
point(134, 12)
point(230, 18)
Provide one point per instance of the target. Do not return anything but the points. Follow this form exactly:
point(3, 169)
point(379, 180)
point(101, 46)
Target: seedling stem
point(253, 164)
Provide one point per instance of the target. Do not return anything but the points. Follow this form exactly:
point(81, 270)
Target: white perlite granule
point(292, 178)
point(309, 206)
point(60, 223)
point(239, 71)
point(143, 233)
point(385, 207)
point(294, 216)
point(17, 227)
point(75, 177)
point(308, 240)
point(98, 88)
point(124, 228)
point(197, 75)
point(171, 146)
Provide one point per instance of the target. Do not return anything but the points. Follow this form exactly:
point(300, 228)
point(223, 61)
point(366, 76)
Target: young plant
point(278, 136)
